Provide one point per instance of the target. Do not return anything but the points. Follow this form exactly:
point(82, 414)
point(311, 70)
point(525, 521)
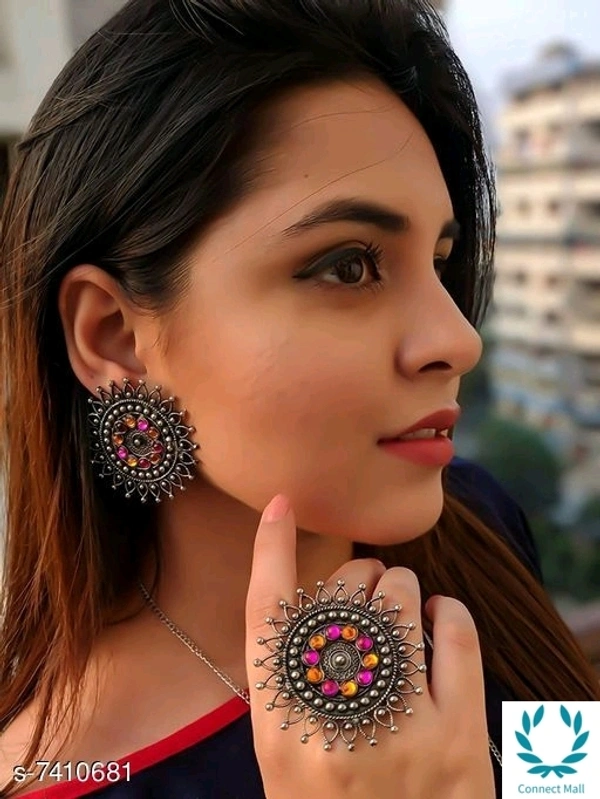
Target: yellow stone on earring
point(132, 461)
point(370, 661)
point(349, 688)
point(349, 633)
point(317, 641)
point(129, 421)
point(153, 432)
point(315, 675)
point(118, 439)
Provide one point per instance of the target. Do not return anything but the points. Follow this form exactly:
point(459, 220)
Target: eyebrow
point(367, 212)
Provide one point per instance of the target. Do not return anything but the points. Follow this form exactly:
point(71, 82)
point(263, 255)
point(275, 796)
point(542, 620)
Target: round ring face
point(341, 664)
point(138, 439)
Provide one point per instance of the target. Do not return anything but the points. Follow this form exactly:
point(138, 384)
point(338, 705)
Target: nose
point(436, 336)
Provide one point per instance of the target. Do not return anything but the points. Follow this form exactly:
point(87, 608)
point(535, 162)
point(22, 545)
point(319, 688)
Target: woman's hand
point(440, 751)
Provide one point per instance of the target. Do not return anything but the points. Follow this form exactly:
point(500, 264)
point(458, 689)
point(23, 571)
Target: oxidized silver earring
point(138, 440)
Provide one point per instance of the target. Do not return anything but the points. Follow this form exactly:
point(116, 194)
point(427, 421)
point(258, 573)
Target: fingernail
point(276, 509)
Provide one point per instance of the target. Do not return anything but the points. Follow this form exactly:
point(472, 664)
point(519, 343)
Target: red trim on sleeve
point(181, 739)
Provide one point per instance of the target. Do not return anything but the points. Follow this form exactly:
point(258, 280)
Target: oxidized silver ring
point(340, 663)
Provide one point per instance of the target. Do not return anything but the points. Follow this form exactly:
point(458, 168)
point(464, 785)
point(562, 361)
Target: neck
point(207, 540)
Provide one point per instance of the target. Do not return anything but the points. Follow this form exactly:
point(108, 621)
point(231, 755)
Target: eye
point(352, 268)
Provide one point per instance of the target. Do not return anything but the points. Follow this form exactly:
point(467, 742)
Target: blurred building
point(546, 319)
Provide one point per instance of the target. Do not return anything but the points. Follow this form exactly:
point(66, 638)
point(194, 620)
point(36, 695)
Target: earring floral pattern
point(139, 441)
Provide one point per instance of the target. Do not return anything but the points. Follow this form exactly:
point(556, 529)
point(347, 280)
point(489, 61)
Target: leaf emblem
point(539, 715)
point(544, 769)
point(580, 741)
point(565, 715)
point(529, 758)
point(574, 758)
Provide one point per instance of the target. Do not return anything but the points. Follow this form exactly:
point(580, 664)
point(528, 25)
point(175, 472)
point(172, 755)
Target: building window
point(522, 142)
point(554, 207)
point(524, 207)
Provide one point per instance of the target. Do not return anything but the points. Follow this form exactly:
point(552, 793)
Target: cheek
point(291, 385)
point(284, 407)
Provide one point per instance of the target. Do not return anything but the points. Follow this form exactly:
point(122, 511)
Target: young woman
point(246, 247)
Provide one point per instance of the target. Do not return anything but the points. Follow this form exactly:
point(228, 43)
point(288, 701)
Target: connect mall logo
point(550, 748)
point(574, 756)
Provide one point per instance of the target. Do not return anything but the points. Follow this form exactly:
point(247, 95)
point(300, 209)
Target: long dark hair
point(149, 133)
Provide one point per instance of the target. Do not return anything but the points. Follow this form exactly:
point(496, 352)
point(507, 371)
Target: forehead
point(355, 135)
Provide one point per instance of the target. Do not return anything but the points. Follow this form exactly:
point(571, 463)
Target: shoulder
point(14, 742)
point(485, 495)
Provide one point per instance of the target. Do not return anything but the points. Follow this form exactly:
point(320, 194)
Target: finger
point(273, 574)
point(400, 587)
point(457, 684)
point(272, 578)
point(365, 571)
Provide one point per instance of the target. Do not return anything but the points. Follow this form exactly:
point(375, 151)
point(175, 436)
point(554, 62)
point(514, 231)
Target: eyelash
point(373, 253)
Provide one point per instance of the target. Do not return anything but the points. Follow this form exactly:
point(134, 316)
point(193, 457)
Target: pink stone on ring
point(364, 643)
point(310, 657)
point(333, 632)
point(330, 688)
point(364, 678)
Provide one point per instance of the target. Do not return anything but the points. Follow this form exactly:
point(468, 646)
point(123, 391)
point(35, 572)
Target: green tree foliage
point(520, 459)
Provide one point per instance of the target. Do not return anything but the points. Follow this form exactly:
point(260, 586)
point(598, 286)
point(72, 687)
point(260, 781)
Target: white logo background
point(552, 741)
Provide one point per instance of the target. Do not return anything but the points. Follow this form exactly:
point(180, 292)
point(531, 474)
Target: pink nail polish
point(276, 509)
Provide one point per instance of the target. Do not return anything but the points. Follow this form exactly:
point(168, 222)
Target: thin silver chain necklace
point(195, 650)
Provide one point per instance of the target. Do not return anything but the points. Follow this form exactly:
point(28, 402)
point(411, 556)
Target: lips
point(441, 420)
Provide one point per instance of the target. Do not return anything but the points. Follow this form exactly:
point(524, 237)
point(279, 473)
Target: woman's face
point(290, 382)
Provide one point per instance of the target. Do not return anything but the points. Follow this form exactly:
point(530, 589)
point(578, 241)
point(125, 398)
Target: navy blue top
point(214, 756)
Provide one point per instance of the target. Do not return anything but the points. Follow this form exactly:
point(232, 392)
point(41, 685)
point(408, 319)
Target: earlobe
point(99, 324)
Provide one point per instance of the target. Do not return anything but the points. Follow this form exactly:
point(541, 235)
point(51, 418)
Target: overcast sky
point(495, 36)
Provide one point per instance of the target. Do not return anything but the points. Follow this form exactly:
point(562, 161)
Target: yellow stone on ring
point(370, 660)
point(315, 675)
point(349, 688)
point(349, 633)
point(317, 641)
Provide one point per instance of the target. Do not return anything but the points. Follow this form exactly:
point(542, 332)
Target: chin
point(403, 523)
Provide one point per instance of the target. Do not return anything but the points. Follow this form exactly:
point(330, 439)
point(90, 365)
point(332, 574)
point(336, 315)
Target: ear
point(102, 328)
